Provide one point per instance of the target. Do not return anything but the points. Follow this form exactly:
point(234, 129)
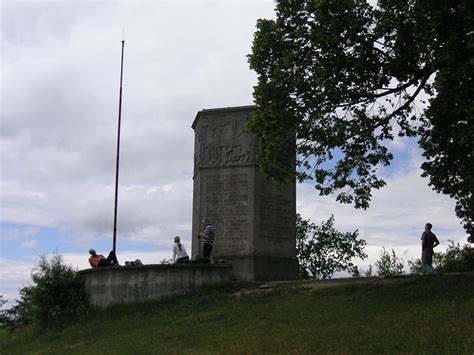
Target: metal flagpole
point(118, 151)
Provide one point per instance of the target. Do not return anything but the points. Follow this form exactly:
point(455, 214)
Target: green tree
point(57, 294)
point(347, 77)
point(322, 250)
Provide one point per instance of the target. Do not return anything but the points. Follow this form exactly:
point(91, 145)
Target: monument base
point(106, 286)
point(262, 268)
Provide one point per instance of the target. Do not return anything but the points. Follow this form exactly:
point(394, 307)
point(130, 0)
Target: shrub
point(455, 259)
point(389, 264)
point(57, 294)
point(369, 272)
point(323, 250)
point(416, 267)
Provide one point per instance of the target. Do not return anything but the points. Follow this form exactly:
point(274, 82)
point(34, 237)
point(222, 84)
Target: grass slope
point(416, 315)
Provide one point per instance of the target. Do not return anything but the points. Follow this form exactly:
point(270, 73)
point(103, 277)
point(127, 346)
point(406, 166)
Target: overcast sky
point(60, 65)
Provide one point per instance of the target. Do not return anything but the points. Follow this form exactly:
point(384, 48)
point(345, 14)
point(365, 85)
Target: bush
point(455, 259)
point(323, 250)
point(416, 267)
point(57, 294)
point(369, 272)
point(389, 264)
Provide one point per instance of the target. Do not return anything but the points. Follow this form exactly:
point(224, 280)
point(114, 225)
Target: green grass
point(411, 315)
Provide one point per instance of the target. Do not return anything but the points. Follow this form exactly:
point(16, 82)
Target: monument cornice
point(219, 110)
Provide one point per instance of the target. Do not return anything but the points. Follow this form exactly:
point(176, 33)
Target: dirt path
point(320, 284)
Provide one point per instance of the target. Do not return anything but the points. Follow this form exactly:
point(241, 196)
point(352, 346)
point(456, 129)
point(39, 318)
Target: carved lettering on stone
point(223, 142)
point(227, 198)
point(276, 214)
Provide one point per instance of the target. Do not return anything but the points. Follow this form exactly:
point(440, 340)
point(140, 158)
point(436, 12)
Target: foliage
point(323, 250)
point(369, 272)
point(3, 317)
point(389, 264)
point(455, 259)
point(347, 77)
point(416, 267)
point(7, 316)
point(57, 294)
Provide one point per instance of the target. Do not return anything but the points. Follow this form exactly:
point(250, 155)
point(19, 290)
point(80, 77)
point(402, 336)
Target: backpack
point(135, 263)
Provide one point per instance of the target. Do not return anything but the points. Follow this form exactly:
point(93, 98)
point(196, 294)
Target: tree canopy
point(347, 77)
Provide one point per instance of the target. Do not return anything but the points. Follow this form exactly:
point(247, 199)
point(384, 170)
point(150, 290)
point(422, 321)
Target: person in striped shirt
point(207, 237)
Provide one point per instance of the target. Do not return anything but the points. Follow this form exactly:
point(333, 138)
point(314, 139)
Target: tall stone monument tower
point(254, 217)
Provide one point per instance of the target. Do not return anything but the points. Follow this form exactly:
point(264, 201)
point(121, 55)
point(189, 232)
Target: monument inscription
point(229, 201)
point(276, 212)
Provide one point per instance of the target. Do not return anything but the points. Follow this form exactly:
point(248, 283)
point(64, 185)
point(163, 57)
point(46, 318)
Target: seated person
point(98, 260)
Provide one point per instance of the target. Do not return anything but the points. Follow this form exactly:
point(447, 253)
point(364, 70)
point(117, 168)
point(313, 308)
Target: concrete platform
point(107, 286)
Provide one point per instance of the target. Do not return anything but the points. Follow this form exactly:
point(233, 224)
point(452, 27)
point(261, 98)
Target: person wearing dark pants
point(180, 256)
point(206, 252)
point(207, 237)
point(428, 242)
point(98, 260)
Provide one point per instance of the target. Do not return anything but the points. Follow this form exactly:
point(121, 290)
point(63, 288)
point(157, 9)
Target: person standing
point(207, 237)
point(180, 256)
point(428, 242)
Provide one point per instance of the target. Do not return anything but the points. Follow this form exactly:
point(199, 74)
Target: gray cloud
point(59, 117)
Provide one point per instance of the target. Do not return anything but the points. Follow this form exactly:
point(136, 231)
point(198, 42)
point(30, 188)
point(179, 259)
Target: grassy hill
point(431, 314)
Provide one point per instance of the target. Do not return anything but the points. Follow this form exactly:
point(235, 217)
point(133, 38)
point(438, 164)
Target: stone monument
point(255, 218)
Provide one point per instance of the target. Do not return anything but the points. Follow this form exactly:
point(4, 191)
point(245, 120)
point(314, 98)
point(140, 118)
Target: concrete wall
point(118, 285)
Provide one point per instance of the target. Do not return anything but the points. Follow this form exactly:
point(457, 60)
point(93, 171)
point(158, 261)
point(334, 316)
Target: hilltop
point(416, 314)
